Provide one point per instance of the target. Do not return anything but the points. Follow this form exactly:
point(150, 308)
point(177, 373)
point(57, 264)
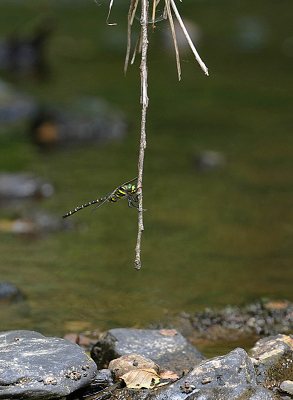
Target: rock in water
point(33, 366)
point(166, 347)
point(10, 292)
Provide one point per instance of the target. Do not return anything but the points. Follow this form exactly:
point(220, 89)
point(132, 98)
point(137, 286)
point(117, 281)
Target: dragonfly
point(128, 190)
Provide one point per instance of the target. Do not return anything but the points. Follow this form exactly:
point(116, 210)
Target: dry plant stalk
point(143, 40)
point(142, 46)
point(144, 102)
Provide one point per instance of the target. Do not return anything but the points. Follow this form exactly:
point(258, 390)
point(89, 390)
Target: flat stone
point(33, 366)
point(166, 347)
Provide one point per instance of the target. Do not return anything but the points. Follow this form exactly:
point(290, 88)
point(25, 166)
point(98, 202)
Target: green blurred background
point(211, 238)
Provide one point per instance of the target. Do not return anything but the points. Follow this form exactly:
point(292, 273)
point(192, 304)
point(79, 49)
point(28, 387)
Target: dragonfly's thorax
point(130, 188)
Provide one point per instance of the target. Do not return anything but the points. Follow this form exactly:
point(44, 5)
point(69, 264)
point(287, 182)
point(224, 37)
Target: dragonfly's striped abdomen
point(84, 206)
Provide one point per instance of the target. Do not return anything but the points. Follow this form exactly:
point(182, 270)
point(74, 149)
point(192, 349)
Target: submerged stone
point(10, 292)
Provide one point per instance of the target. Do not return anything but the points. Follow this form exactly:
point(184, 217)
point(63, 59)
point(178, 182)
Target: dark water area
point(215, 234)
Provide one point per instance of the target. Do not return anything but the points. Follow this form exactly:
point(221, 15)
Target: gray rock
point(167, 348)
point(229, 377)
point(103, 380)
point(33, 366)
point(217, 393)
point(235, 393)
point(273, 360)
point(232, 371)
point(287, 386)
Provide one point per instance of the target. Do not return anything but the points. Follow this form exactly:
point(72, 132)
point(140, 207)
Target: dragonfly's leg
point(130, 203)
point(134, 199)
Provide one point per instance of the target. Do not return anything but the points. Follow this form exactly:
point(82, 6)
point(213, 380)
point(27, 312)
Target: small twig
point(174, 38)
point(128, 37)
point(133, 12)
point(154, 12)
point(144, 102)
point(110, 7)
point(197, 56)
point(135, 49)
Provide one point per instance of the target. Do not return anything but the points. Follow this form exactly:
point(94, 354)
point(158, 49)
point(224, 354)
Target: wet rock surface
point(33, 366)
point(167, 348)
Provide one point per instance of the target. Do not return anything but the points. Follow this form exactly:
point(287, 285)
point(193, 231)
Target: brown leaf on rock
point(170, 375)
point(141, 378)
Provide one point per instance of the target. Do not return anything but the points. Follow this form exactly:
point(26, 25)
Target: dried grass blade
point(154, 12)
point(128, 37)
point(135, 49)
point(133, 12)
point(110, 7)
point(165, 14)
point(197, 56)
point(174, 38)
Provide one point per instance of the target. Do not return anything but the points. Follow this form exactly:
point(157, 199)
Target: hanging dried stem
point(133, 12)
point(110, 8)
point(128, 36)
point(144, 102)
point(197, 56)
point(174, 37)
point(142, 46)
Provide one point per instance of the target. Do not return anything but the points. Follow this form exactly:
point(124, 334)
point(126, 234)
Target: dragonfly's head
point(131, 188)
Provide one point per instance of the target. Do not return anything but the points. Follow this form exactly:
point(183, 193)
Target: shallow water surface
point(211, 238)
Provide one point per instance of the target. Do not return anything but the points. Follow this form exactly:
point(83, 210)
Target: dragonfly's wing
point(127, 183)
point(102, 200)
